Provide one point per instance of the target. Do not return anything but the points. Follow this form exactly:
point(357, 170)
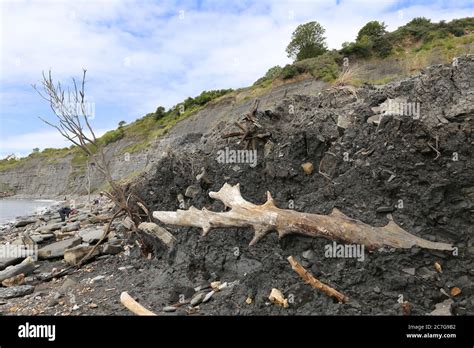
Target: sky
point(142, 54)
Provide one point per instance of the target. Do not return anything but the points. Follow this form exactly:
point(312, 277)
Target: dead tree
point(250, 130)
point(71, 110)
point(267, 217)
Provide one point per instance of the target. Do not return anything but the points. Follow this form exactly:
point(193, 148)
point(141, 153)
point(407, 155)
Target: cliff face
point(37, 177)
point(40, 178)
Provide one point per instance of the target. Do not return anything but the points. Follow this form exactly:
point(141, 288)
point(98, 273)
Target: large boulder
point(57, 249)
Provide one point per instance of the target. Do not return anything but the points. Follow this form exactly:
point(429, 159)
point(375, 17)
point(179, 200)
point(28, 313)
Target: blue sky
point(141, 54)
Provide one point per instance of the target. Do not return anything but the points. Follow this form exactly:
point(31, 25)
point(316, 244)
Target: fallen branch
point(311, 280)
point(133, 305)
point(267, 217)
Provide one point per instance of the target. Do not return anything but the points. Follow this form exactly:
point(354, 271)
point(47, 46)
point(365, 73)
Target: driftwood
point(311, 280)
point(133, 305)
point(267, 217)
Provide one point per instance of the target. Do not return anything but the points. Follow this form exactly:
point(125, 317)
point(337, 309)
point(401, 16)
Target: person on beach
point(65, 212)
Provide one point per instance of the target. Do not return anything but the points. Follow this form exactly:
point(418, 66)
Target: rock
point(443, 308)
point(128, 223)
point(96, 279)
point(50, 228)
point(197, 299)
point(277, 297)
point(426, 274)
point(268, 148)
point(377, 290)
point(73, 255)
point(111, 249)
point(91, 235)
point(68, 283)
point(26, 267)
point(25, 222)
point(57, 249)
point(222, 286)
point(169, 309)
point(167, 238)
point(385, 209)
point(375, 119)
point(124, 268)
point(93, 305)
point(208, 296)
point(8, 261)
point(39, 238)
point(16, 280)
point(192, 191)
point(410, 271)
point(71, 227)
point(343, 121)
point(203, 178)
point(455, 291)
point(308, 254)
point(16, 291)
point(307, 167)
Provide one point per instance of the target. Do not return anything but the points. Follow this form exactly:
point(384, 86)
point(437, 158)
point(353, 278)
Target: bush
point(361, 48)
point(325, 67)
point(290, 71)
point(270, 75)
point(111, 136)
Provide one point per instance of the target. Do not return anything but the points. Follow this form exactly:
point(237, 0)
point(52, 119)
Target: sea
point(11, 208)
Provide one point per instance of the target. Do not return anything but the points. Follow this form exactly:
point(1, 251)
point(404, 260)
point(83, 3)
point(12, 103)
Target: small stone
point(192, 191)
point(443, 308)
point(268, 148)
point(410, 271)
point(248, 300)
point(277, 297)
point(222, 286)
point(124, 268)
point(385, 209)
point(377, 290)
point(308, 167)
point(111, 249)
point(455, 291)
point(169, 309)
point(215, 285)
point(438, 267)
point(68, 283)
point(197, 299)
point(16, 280)
point(75, 307)
point(308, 254)
point(95, 279)
point(208, 296)
point(93, 305)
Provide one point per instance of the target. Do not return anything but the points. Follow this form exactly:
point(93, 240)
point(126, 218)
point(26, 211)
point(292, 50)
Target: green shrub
point(111, 136)
point(290, 71)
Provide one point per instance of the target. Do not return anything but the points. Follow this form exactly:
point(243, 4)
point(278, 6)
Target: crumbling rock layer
point(419, 169)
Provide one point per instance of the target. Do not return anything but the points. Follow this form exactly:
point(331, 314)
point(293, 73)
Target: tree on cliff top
point(307, 41)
